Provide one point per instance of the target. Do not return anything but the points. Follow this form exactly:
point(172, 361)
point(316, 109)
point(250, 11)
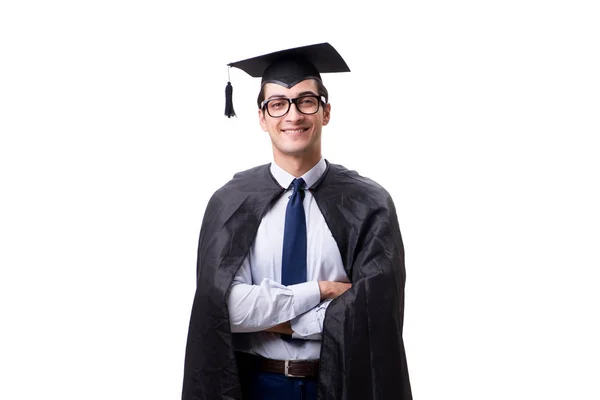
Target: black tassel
point(229, 112)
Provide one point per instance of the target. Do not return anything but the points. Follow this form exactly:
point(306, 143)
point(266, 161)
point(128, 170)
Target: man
point(300, 290)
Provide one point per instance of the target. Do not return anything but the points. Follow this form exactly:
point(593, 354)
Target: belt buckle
point(287, 366)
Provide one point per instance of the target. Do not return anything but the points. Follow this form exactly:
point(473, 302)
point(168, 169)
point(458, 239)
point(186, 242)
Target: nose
point(293, 114)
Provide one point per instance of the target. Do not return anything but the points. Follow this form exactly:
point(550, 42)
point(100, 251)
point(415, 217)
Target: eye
point(276, 104)
point(307, 101)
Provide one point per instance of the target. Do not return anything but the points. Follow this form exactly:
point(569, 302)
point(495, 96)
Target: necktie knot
point(297, 188)
point(298, 184)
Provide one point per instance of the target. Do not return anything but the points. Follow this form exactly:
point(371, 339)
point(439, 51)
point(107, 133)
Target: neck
point(296, 165)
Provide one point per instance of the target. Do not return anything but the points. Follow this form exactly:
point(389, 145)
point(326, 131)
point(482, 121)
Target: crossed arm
point(329, 290)
point(272, 307)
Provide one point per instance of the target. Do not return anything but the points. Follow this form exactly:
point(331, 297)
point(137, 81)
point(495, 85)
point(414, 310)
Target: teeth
point(293, 130)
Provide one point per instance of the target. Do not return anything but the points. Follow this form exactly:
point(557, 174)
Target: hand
point(331, 290)
point(284, 328)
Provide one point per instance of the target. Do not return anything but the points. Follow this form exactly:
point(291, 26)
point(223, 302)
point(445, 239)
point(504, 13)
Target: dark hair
point(321, 89)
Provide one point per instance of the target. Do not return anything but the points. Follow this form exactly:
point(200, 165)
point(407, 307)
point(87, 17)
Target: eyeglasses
point(278, 107)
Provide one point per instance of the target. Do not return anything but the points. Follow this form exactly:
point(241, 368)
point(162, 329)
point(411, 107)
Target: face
point(295, 134)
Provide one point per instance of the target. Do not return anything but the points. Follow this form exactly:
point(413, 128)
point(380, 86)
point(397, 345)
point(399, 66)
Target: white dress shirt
point(258, 300)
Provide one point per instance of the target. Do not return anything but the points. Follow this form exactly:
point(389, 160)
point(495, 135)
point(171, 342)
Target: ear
point(261, 119)
point(326, 113)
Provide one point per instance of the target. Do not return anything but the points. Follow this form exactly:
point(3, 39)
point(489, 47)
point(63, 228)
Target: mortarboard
point(288, 67)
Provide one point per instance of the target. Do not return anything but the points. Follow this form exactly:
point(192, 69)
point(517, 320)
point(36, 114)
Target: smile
point(294, 131)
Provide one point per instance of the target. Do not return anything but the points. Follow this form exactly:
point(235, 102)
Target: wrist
point(323, 289)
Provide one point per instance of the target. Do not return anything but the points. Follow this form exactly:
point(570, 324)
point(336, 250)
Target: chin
point(293, 146)
point(293, 151)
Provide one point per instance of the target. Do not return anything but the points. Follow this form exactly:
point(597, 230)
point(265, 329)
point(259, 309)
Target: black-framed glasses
point(280, 106)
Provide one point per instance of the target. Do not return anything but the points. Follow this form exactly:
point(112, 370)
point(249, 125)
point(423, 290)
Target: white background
point(480, 118)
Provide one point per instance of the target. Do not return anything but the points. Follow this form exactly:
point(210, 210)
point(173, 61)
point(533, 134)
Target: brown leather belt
point(292, 368)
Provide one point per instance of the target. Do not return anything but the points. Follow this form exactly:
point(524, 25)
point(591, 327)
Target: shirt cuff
point(309, 325)
point(306, 296)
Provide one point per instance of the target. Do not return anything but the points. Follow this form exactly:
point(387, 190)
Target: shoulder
point(251, 186)
point(354, 184)
point(254, 184)
point(244, 181)
point(252, 173)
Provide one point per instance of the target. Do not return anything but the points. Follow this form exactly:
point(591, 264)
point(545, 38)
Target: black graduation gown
point(362, 351)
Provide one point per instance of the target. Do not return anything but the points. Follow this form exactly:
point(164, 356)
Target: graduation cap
point(288, 67)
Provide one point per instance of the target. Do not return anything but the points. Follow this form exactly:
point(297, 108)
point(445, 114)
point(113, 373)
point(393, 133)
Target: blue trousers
point(258, 385)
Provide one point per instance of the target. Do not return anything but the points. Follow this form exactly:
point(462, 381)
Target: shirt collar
point(285, 179)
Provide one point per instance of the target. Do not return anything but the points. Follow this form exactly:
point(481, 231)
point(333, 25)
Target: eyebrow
point(281, 96)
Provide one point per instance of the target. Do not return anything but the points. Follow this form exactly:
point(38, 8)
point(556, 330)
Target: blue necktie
point(293, 263)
